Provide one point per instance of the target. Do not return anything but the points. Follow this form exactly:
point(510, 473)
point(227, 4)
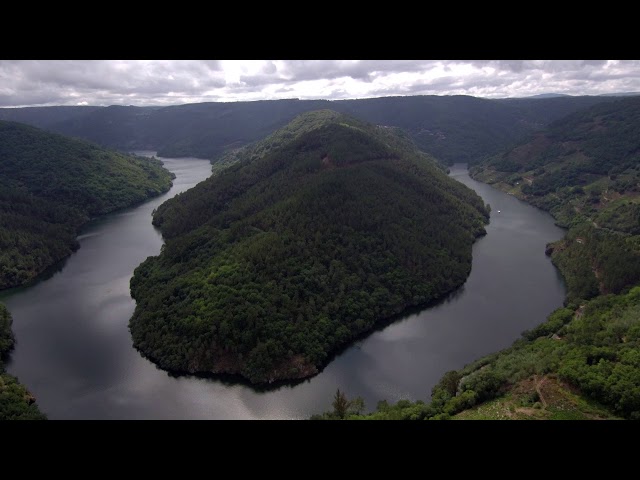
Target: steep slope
point(50, 185)
point(316, 235)
point(451, 128)
point(461, 128)
point(585, 170)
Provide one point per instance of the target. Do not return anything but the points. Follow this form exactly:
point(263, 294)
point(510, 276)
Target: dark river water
point(74, 350)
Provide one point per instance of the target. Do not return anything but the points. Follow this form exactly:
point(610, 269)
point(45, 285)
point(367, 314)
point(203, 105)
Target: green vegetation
point(51, 185)
point(592, 353)
point(538, 398)
point(297, 127)
point(585, 170)
point(6, 336)
point(16, 403)
point(595, 261)
point(579, 168)
point(311, 238)
point(343, 408)
point(451, 128)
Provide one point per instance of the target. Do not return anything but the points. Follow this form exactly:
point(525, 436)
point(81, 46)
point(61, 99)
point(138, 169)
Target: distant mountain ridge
point(451, 128)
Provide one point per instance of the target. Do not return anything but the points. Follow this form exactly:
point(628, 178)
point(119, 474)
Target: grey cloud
point(105, 82)
point(369, 68)
point(269, 68)
point(262, 80)
point(519, 66)
point(101, 79)
point(307, 70)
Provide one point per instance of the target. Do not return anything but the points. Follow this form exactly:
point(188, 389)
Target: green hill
point(50, 185)
point(583, 362)
point(313, 237)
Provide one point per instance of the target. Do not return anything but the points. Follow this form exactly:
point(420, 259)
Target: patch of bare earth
point(539, 397)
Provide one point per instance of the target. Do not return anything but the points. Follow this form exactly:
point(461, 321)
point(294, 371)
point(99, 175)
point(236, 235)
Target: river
point(74, 350)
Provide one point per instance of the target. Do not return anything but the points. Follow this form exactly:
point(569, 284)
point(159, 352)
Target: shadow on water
point(45, 275)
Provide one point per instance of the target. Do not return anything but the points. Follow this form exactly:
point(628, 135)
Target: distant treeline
point(451, 128)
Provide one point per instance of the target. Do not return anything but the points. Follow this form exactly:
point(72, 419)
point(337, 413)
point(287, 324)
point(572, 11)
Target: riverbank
point(79, 361)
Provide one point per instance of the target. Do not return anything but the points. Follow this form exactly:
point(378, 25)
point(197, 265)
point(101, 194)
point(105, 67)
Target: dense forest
point(583, 362)
point(16, 403)
point(50, 185)
point(451, 128)
point(311, 238)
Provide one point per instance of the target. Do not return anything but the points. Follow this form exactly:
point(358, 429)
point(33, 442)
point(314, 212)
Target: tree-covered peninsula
point(50, 185)
point(310, 238)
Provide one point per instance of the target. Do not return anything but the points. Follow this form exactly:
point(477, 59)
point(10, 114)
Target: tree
point(340, 404)
point(356, 406)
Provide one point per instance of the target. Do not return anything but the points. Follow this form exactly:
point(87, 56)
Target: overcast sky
point(170, 82)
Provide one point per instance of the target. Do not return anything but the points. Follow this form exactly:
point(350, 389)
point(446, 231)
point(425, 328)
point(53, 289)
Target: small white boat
point(498, 211)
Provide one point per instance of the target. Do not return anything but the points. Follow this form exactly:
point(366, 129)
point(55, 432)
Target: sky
point(173, 82)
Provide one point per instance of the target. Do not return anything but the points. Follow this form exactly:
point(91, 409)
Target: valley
point(432, 257)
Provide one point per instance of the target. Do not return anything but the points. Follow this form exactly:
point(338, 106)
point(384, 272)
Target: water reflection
point(75, 352)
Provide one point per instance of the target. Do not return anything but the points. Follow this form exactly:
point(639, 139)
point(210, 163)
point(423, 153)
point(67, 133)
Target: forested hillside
point(313, 237)
point(585, 170)
point(451, 128)
point(50, 185)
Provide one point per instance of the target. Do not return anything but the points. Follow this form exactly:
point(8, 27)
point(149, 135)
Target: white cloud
point(168, 82)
